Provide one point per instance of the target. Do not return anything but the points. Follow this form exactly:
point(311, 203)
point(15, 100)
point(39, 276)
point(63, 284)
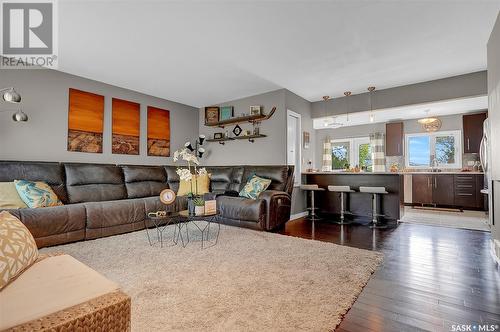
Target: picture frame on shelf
point(226, 113)
point(256, 110)
point(237, 130)
point(218, 135)
point(212, 114)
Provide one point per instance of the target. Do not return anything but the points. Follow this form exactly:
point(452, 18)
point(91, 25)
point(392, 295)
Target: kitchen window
point(445, 146)
point(351, 152)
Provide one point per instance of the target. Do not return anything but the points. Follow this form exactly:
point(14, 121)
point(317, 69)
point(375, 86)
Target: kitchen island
point(359, 204)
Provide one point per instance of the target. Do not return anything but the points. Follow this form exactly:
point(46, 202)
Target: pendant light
point(11, 96)
point(332, 124)
point(372, 116)
point(427, 119)
point(347, 94)
point(325, 99)
point(430, 124)
point(19, 116)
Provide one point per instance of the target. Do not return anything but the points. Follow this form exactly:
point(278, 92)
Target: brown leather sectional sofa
point(105, 199)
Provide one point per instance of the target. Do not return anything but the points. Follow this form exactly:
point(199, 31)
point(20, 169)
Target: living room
point(218, 165)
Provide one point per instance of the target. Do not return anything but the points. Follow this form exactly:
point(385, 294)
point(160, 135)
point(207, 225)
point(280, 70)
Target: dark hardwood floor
point(431, 278)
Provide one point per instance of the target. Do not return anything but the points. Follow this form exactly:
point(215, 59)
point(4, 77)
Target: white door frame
point(298, 170)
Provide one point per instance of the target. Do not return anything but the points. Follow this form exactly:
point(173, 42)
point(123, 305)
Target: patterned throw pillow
point(254, 187)
point(36, 194)
point(18, 249)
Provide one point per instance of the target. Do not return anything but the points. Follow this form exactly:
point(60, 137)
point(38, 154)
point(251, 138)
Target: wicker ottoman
point(59, 293)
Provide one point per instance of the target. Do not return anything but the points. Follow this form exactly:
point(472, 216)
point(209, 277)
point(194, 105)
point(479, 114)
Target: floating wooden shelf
point(251, 138)
point(242, 119)
point(220, 140)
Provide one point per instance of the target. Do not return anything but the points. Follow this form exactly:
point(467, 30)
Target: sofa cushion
point(18, 249)
point(55, 220)
point(9, 197)
point(48, 286)
point(50, 173)
point(240, 208)
point(220, 178)
point(277, 174)
point(113, 213)
point(172, 177)
point(144, 181)
point(94, 183)
point(36, 194)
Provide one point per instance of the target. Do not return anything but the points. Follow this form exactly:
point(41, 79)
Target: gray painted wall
point(468, 85)
point(265, 151)
point(45, 99)
point(270, 150)
point(303, 107)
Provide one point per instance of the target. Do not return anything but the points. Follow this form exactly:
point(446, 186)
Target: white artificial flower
point(202, 171)
point(191, 158)
point(184, 174)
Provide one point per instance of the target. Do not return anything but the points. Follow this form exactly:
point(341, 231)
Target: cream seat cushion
point(9, 197)
point(50, 285)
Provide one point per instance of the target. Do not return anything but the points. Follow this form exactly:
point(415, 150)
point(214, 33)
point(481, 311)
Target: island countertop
point(358, 203)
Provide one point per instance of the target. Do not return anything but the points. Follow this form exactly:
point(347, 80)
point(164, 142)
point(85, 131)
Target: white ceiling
point(442, 108)
point(205, 52)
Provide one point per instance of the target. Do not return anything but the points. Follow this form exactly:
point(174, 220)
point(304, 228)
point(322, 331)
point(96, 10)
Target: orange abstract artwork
point(158, 132)
point(85, 121)
point(126, 127)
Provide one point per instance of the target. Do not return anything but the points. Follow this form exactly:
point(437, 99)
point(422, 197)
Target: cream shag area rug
point(249, 281)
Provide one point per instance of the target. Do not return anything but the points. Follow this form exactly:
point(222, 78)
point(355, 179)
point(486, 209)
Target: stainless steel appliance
point(485, 157)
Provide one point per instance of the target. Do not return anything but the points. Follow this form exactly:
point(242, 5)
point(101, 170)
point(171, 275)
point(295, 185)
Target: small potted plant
point(199, 206)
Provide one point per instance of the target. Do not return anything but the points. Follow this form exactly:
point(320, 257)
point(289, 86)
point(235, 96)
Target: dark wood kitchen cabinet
point(473, 131)
point(421, 188)
point(459, 190)
point(433, 189)
point(468, 191)
point(442, 192)
point(394, 139)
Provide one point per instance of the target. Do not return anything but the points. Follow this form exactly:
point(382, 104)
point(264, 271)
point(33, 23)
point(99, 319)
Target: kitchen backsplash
point(466, 157)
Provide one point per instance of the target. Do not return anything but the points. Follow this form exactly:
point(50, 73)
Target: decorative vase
point(199, 210)
point(191, 206)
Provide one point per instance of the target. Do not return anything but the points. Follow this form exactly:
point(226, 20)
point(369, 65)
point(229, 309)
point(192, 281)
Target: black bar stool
point(343, 190)
point(312, 210)
point(375, 192)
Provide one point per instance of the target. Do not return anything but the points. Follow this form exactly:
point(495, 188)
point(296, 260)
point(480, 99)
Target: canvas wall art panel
point(85, 121)
point(126, 126)
point(158, 132)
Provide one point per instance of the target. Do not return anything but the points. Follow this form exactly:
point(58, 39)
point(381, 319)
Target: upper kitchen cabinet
point(473, 131)
point(394, 139)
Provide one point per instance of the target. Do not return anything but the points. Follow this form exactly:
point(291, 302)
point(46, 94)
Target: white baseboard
point(298, 215)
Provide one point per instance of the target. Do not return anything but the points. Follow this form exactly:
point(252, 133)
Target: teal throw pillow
point(254, 187)
point(36, 194)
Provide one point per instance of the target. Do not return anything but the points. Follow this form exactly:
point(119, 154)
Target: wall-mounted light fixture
point(10, 95)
